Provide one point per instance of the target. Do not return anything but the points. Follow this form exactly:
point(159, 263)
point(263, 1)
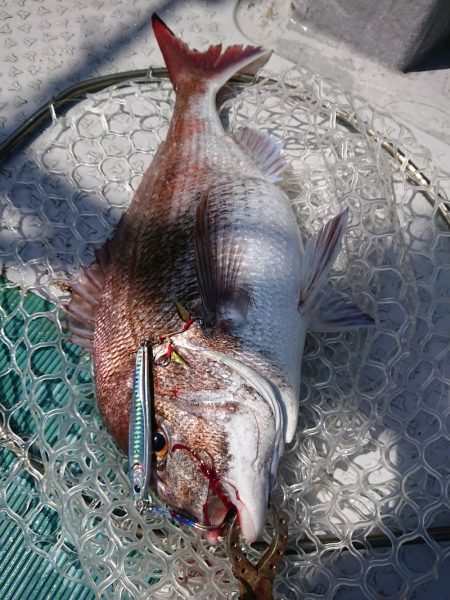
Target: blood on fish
point(214, 484)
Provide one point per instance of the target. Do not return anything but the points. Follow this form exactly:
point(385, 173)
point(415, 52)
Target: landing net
point(364, 485)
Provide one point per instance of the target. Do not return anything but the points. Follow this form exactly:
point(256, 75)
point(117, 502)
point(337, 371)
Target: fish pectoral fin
point(329, 312)
point(334, 312)
point(86, 294)
point(219, 253)
point(263, 149)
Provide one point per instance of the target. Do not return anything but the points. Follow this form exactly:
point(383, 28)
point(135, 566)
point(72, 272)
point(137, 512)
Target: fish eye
point(160, 444)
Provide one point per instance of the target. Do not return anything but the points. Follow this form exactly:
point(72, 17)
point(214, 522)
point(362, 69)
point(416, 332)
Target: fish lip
point(223, 515)
point(250, 529)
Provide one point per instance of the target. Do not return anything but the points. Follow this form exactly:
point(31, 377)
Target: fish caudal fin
point(329, 312)
point(214, 65)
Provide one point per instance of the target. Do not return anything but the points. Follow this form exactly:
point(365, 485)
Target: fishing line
point(148, 507)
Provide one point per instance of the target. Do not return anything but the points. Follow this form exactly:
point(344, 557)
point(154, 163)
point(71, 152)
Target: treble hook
point(256, 581)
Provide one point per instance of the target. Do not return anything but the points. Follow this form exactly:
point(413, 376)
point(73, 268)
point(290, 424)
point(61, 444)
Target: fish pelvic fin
point(212, 65)
point(335, 312)
point(327, 311)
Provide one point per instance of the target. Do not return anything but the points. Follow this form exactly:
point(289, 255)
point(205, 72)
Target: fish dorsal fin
point(86, 294)
point(263, 149)
point(219, 254)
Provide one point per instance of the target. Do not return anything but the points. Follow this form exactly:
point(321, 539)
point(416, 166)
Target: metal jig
point(140, 436)
point(140, 432)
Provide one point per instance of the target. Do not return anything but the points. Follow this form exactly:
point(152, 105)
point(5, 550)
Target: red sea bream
point(209, 227)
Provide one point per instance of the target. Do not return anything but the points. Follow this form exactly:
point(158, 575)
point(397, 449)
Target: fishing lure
point(140, 432)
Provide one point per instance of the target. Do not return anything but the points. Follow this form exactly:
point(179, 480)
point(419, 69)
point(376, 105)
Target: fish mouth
point(218, 512)
point(212, 523)
point(214, 528)
point(224, 497)
point(213, 515)
point(251, 522)
point(222, 508)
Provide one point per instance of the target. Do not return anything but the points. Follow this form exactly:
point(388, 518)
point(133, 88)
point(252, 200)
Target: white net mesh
point(368, 473)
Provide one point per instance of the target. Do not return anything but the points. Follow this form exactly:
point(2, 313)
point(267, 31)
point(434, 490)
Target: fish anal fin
point(219, 254)
point(327, 311)
point(263, 149)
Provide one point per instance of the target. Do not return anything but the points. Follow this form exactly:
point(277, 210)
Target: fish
point(208, 265)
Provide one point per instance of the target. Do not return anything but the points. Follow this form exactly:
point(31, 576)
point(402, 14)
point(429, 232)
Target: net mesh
point(368, 473)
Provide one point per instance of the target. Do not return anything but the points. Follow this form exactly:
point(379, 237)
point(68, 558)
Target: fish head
point(223, 443)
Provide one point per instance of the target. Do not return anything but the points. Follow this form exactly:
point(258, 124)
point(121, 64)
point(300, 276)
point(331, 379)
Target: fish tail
point(212, 66)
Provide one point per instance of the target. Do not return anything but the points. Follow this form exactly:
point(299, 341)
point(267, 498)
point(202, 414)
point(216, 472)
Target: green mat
point(29, 528)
